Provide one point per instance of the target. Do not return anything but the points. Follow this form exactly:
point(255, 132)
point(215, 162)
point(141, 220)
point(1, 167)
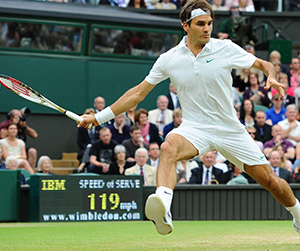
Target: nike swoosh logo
point(167, 193)
point(208, 61)
point(261, 157)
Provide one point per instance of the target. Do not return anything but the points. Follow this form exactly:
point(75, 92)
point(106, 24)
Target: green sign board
point(85, 198)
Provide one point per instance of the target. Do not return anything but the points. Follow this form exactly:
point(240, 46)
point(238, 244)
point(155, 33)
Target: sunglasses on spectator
point(251, 132)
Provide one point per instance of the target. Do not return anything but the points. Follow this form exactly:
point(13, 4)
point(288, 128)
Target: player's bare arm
point(128, 100)
point(268, 69)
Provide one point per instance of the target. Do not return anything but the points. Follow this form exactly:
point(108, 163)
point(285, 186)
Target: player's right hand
point(87, 121)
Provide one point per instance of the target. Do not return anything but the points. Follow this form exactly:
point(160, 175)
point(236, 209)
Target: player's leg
point(279, 188)
point(157, 208)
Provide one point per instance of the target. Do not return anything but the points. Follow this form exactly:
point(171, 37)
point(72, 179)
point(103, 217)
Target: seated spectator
point(277, 112)
point(119, 130)
point(138, 4)
point(12, 146)
point(149, 130)
point(252, 131)
point(263, 130)
point(294, 73)
point(120, 165)
point(19, 117)
point(226, 30)
point(165, 5)
point(173, 98)
point(187, 166)
point(230, 3)
point(256, 93)
point(245, 5)
point(285, 163)
point(291, 126)
point(136, 141)
point(234, 176)
point(206, 173)
point(86, 137)
point(289, 150)
point(44, 165)
point(129, 118)
point(141, 168)
point(247, 113)
point(275, 55)
point(277, 66)
point(11, 163)
point(241, 80)
point(275, 161)
point(177, 119)
point(153, 153)
point(2, 164)
point(102, 153)
point(162, 115)
point(217, 6)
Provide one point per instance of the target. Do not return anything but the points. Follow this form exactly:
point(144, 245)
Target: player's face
point(200, 29)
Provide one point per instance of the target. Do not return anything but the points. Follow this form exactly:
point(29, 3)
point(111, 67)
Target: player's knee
point(168, 149)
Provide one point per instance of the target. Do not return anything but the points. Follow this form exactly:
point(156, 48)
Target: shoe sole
point(155, 211)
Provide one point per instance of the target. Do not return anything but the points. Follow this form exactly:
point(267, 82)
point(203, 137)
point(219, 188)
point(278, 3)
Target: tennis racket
point(28, 93)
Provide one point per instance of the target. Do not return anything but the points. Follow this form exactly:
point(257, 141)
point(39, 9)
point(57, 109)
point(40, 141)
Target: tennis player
point(200, 69)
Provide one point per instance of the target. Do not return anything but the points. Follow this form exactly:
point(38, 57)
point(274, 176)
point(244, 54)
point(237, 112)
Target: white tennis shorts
point(234, 143)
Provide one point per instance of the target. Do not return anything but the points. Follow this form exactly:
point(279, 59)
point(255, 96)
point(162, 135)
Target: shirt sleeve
point(157, 74)
point(238, 57)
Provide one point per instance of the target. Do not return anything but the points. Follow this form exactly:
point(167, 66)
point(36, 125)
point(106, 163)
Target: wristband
point(104, 116)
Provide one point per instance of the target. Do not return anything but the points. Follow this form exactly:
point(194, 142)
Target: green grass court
point(187, 235)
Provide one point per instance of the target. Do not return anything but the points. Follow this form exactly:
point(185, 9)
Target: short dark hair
point(134, 127)
point(186, 10)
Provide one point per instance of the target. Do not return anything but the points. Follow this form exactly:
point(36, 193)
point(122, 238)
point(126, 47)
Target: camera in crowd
point(25, 113)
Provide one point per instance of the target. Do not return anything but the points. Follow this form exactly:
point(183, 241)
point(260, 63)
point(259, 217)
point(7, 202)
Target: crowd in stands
point(218, 5)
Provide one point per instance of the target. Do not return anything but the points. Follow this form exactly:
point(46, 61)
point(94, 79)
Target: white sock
point(166, 194)
point(295, 210)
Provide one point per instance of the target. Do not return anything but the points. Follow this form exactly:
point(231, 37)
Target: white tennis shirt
point(203, 83)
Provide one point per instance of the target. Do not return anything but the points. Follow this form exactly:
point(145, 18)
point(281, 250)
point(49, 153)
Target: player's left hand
point(271, 82)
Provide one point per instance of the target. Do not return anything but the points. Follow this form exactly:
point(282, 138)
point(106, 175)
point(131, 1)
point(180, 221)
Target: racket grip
point(74, 116)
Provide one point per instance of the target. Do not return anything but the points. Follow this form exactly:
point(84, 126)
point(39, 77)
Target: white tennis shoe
point(155, 211)
point(296, 225)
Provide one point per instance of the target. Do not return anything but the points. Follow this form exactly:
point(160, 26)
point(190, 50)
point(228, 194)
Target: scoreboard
point(85, 198)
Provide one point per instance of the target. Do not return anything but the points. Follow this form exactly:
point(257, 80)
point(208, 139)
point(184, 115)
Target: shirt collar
point(183, 42)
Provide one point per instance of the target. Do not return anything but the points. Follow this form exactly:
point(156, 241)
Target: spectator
point(149, 130)
point(226, 30)
point(230, 3)
point(263, 130)
point(119, 130)
point(102, 153)
point(217, 6)
point(141, 168)
point(173, 98)
point(256, 93)
point(120, 165)
point(294, 73)
point(165, 5)
point(99, 104)
point(153, 153)
point(275, 160)
point(19, 117)
point(138, 4)
point(275, 55)
point(162, 115)
point(291, 126)
point(12, 146)
point(2, 164)
point(45, 165)
point(283, 78)
point(177, 119)
point(244, 5)
point(297, 93)
point(241, 80)
point(247, 113)
point(206, 173)
point(252, 131)
point(277, 112)
point(234, 176)
point(187, 166)
point(285, 163)
point(289, 99)
point(11, 163)
point(129, 118)
point(277, 66)
point(136, 141)
point(289, 150)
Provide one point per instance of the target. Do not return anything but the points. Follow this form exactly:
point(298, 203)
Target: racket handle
point(74, 116)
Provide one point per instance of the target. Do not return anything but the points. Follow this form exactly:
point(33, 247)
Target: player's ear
point(185, 26)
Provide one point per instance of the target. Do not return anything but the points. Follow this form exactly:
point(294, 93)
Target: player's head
point(193, 9)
